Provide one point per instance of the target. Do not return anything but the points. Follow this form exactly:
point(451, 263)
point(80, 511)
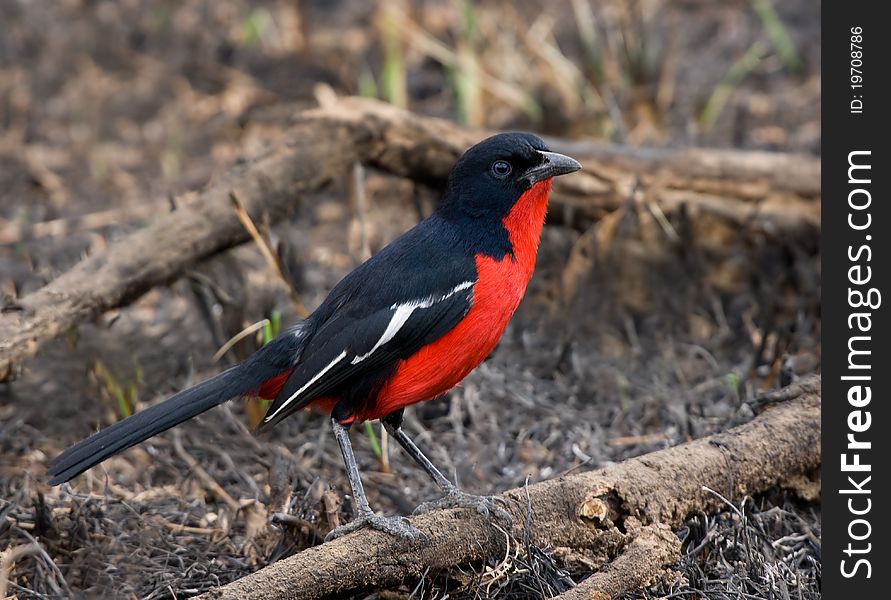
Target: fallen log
point(780, 447)
point(321, 145)
point(779, 192)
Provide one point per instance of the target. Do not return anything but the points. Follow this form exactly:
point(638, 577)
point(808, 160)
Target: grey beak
point(553, 165)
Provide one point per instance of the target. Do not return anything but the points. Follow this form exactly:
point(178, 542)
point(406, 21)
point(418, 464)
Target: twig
point(633, 440)
point(52, 564)
point(8, 559)
point(663, 221)
point(331, 505)
point(253, 328)
point(361, 208)
point(268, 254)
point(209, 482)
point(810, 384)
point(729, 504)
point(242, 428)
point(177, 528)
point(494, 574)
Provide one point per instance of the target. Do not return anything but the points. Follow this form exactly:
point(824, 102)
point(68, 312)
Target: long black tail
point(143, 425)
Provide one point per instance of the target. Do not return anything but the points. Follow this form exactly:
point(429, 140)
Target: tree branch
point(774, 193)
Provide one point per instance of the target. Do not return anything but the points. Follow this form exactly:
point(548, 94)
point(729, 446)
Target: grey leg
point(454, 497)
point(398, 434)
point(365, 517)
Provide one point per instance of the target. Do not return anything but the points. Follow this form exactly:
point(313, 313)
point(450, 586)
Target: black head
point(492, 175)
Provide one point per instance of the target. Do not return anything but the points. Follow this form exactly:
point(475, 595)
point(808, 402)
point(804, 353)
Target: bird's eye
point(501, 168)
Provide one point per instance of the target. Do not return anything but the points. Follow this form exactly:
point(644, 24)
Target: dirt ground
point(111, 113)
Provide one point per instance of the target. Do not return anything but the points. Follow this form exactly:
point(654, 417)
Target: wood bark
point(651, 548)
point(774, 193)
point(780, 447)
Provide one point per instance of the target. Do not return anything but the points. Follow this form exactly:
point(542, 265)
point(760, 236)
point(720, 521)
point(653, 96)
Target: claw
point(398, 526)
point(485, 505)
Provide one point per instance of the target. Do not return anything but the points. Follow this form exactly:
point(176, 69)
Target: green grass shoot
point(254, 26)
point(273, 326)
point(735, 75)
point(372, 439)
point(778, 34)
point(393, 75)
point(125, 396)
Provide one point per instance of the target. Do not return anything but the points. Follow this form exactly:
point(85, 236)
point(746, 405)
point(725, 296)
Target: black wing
point(349, 348)
point(408, 295)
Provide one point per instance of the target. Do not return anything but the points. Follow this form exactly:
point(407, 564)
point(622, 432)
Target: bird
point(405, 326)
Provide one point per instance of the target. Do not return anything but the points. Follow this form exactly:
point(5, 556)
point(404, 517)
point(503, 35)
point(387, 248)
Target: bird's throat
point(524, 223)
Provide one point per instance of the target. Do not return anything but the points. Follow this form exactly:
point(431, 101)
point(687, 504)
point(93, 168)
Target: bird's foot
point(398, 526)
point(455, 498)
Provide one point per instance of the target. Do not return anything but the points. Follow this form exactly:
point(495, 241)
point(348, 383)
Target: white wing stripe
point(403, 312)
point(315, 378)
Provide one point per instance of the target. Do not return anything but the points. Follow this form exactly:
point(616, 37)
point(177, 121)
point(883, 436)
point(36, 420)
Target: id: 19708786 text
point(857, 70)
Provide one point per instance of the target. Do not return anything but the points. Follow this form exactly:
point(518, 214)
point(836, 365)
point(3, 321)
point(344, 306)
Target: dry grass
point(769, 548)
